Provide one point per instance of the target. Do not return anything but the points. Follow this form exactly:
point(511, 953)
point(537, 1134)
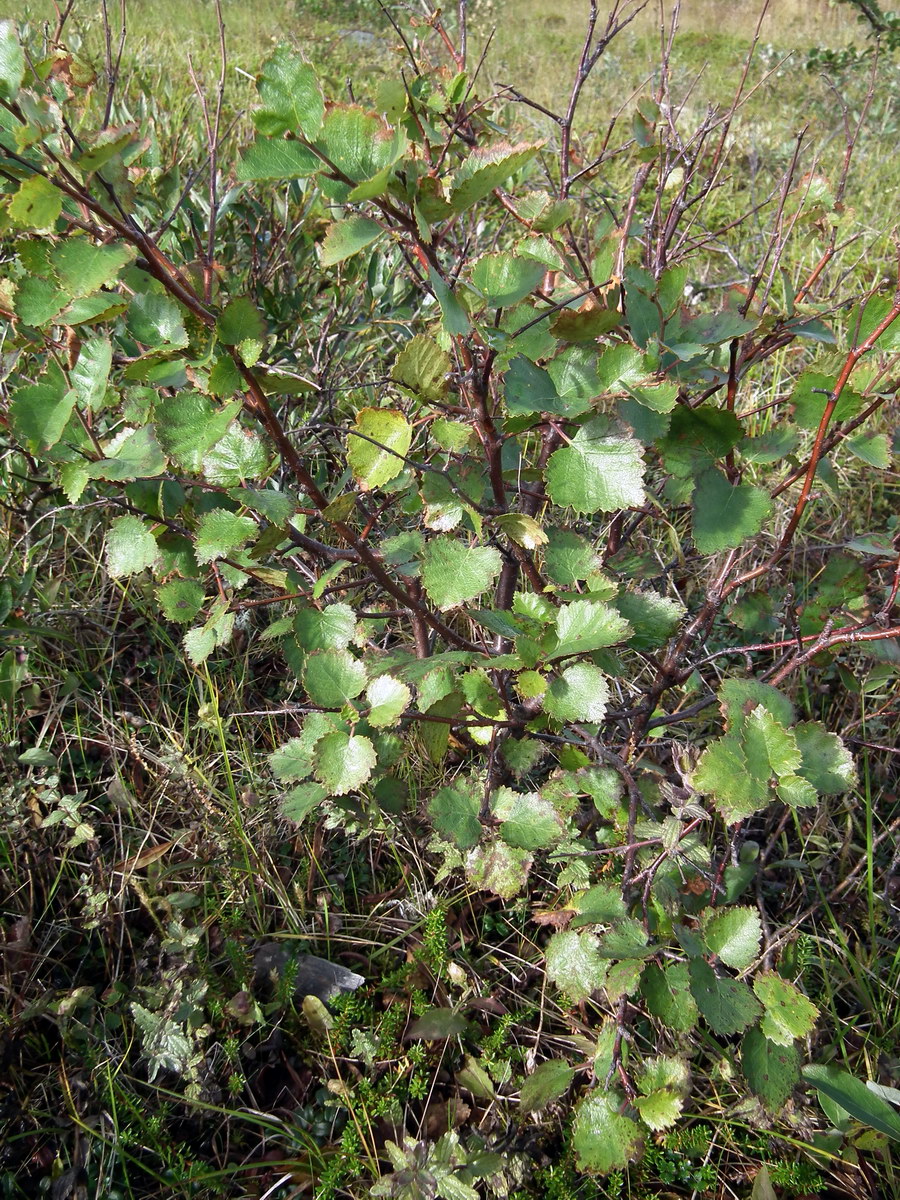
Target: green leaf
point(435, 1024)
point(220, 533)
point(343, 763)
point(827, 763)
point(738, 697)
point(733, 934)
point(36, 205)
point(871, 448)
point(599, 905)
point(668, 996)
point(389, 699)
point(188, 425)
point(454, 572)
point(789, 1014)
point(853, 1095)
point(570, 558)
point(652, 618)
point(584, 626)
point(180, 600)
point(521, 529)
point(727, 1005)
point(300, 801)
point(603, 1139)
point(39, 413)
point(330, 628)
point(660, 1109)
point(455, 320)
point(91, 371)
point(346, 238)
point(240, 321)
point(333, 677)
point(499, 868)
point(596, 473)
point(130, 547)
point(423, 367)
point(38, 300)
point(581, 693)
point(291, 99)
point(626, 939)
point(487, 168)
point(620, 368)
point(575, 965)
point(505, 279)
point(726, 515)
point(156, 321)
point(294, 760)
point(724, 773)
point(361, 145)
point(374, 465)
point(812, 393)
point(698, 438)
point(547, 1083)
point(268, 158)
point(12, 61)
point(772, 1071)
point(454, 812)
point(83, 268)
point(236, 457)
point(528, 820)
point(530, 389)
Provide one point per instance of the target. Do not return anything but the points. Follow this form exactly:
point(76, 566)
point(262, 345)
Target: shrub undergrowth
point(498, 594)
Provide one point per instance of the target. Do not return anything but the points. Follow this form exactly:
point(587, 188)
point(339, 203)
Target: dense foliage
point(541, 562)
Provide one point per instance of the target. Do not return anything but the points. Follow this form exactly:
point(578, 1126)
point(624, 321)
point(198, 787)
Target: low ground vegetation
point(450, 603)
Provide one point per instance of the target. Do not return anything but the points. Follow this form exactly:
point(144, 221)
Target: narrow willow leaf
point(91, 371)
point(853, 1095)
